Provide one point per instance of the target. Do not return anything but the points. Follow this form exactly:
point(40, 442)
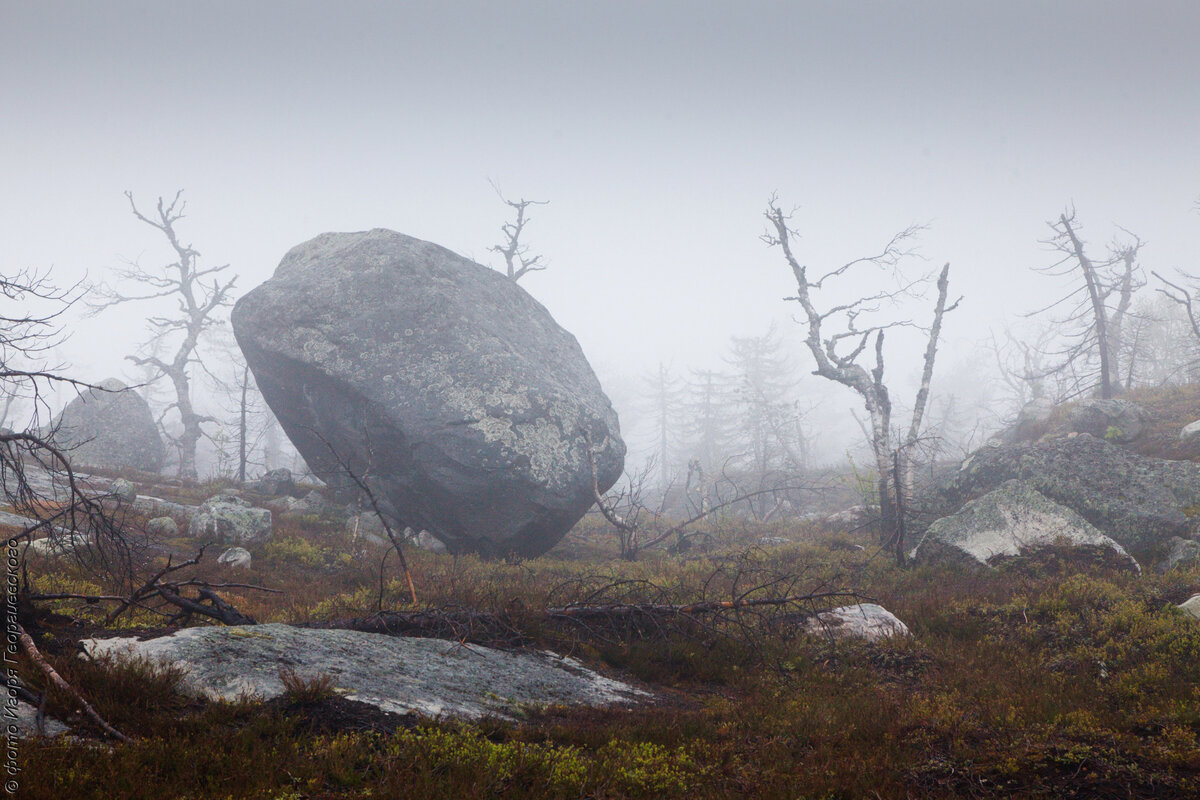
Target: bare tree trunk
point(1099, 312)
point(894, 474)
point(242, 413)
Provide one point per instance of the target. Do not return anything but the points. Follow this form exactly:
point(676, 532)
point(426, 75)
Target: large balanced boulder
point(1139, 502)
point(110, 426)
point(1012, 521)
point(444, 387)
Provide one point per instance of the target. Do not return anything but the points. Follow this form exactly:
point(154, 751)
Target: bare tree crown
point(199, 293)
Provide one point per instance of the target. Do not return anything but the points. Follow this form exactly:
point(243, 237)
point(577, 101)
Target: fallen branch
point(34, 655)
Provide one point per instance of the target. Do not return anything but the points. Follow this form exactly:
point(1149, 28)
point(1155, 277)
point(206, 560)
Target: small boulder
point(426, 541)
point(868, 621)
point(1191, 606)
point(275, 483)
point(62, 545)
point(122, 490)
point(110, 426)
point(162, 527)
point(366, 527)
point(311, 503)
point(1190, 432)
point(237, 557)
point(1117, 421)
point(226, 518)
point(1182, 551)
point(1014, 520)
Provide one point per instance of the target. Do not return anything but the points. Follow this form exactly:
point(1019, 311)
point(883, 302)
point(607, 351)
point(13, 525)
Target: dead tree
point(198, 292)
point(517, 260)
point(1097, 308)
point(36, 478)
point(641, 527)
point(1183, 297)
point(893, 451)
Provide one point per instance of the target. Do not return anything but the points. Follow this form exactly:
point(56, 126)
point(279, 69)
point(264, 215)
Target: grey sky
point(656, 129)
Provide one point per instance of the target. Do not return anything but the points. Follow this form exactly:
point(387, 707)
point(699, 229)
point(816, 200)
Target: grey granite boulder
point(226, 518)
point(162, 527)
point(1191, 606)
point(276, 482)
point(237, 557)
point(110, 427)
point(1118, 421)
point(466, 408)
point(123, 491)
point(1011, 521)
point(432, 677)
point(869, 621)
point(1190, 432)
point(1139, 502)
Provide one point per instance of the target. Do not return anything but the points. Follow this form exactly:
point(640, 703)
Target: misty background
point(657, 132)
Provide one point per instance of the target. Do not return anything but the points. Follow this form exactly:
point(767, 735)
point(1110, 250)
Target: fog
point(657, 132)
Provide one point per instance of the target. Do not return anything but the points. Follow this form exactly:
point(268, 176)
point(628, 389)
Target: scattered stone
point(277, 482)
point(1137, 501)
point(122, 490)
point(427, 541)
point(366, 527)
point(472, 414)
point(238, 557)
point(1014, 520)
point(1117, 421)
point(773, 541)
point(400, 675)
point(226, 518)
point(62, 545)
point(110, 427)
point(862, 621)
point(156, 507)
point(1181, 552)
point(162, 527)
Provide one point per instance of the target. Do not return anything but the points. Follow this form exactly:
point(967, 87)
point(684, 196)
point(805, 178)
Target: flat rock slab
point(400, 675)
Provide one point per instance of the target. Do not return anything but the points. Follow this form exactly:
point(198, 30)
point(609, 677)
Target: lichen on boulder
point(1012, 521)
point(226, 518)
point(442, 384)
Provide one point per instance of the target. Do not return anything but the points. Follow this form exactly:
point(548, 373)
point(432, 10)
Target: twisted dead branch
point(169, 599)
